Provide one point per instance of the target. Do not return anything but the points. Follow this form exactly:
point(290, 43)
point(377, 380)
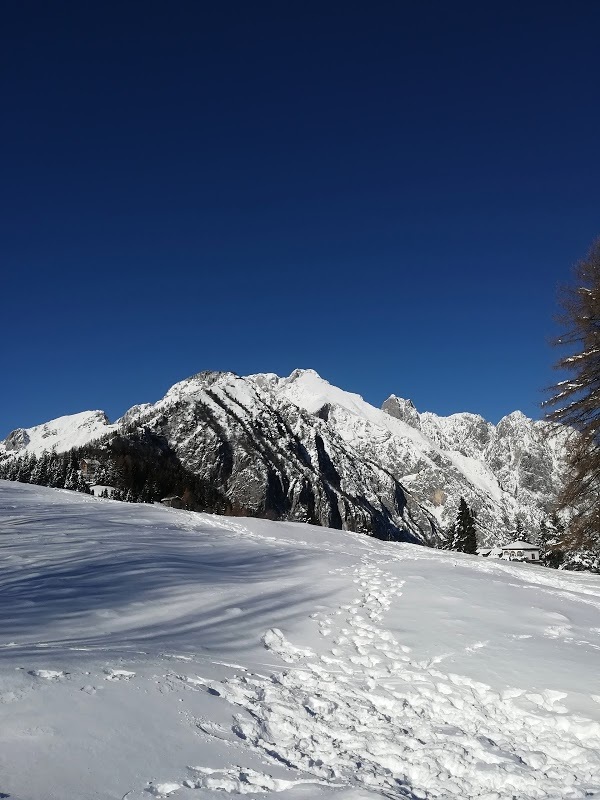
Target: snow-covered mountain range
point(299, 448)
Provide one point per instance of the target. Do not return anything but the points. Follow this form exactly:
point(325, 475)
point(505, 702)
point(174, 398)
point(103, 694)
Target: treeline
point(57, 470)
point(139, 466)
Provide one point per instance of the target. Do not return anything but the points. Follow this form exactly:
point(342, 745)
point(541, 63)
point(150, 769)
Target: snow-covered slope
point(300, 448)
point(58, 435)
point(151, 652)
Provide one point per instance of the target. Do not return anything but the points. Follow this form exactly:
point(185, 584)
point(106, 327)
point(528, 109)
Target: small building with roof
point(173, 502)
point(90, 467)
point(520, 551)
point(99, 490)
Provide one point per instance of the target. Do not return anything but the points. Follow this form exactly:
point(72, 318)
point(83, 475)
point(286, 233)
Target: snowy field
point(150, 652)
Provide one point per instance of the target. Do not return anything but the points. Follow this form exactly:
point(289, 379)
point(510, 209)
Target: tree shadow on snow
point(150, 588)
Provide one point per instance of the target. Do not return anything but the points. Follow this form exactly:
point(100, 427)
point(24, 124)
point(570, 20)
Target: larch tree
point(575, 402)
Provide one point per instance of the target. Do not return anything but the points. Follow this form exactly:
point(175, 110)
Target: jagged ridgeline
point(298, 448)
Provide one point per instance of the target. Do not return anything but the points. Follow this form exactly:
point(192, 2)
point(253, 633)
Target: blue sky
point(389, 193)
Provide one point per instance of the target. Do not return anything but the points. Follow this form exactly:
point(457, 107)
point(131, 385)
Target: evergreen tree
point(22, 471)
point(550, 542)
point(449, 540)
point(466, 535)
point(40, 473)
point(57, 469)
point(12, 471)
point(71, 478)
point(519, 529)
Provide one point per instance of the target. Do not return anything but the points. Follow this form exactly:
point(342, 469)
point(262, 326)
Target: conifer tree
point(551, 535)
point(519, 529)
point(466, 536)
point(449, 541)
point(39, 474)
point(22, 472)
point(12, 470)
point(71, 479)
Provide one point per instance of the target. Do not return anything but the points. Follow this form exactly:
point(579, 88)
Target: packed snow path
point(149, 652)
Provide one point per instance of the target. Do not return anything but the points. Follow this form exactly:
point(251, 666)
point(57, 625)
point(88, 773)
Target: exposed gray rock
point(16, 440)
point(402, 409)
point(273, 459)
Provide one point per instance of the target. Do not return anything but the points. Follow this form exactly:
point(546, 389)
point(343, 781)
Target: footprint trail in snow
point(363, 714)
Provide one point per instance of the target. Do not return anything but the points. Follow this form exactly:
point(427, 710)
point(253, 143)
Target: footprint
point(88, 689)
point(163, 789)
point(48, 674)
point(118, 675)
point(476, 646)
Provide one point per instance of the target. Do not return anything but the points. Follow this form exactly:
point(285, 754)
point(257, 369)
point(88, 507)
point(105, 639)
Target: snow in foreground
point(152, 652)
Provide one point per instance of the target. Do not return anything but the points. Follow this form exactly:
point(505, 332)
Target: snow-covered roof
point(486, 552)
point(520, 545)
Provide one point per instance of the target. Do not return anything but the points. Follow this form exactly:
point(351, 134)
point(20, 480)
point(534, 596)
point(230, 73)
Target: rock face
point(299, 448)
point(17, 440)
point(272, 458)
point(403, 410)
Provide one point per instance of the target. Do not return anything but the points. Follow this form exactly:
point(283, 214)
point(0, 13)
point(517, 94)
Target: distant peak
point(198, 381)
point(517, 415)
point(301, 373)
point(394, 399)
point(516, 418)
point(17, 439)
point(402, 409)
point(210, 376)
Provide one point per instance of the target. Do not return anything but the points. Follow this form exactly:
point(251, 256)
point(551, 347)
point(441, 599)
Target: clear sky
point(388, 192)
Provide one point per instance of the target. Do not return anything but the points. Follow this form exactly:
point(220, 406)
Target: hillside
point(149, 652)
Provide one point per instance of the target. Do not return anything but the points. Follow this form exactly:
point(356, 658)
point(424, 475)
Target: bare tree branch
point(575, 402)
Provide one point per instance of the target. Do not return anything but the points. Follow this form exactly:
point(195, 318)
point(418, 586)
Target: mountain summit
point(299, 448)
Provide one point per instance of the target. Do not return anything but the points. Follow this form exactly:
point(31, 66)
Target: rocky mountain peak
point(402, 409)
point(17, 440)
point(299, 374)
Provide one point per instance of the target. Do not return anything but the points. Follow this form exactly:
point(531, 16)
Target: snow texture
point(146, 652)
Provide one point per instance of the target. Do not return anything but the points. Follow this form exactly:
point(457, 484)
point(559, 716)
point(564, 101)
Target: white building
point(102, 491)
point(520, 551)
